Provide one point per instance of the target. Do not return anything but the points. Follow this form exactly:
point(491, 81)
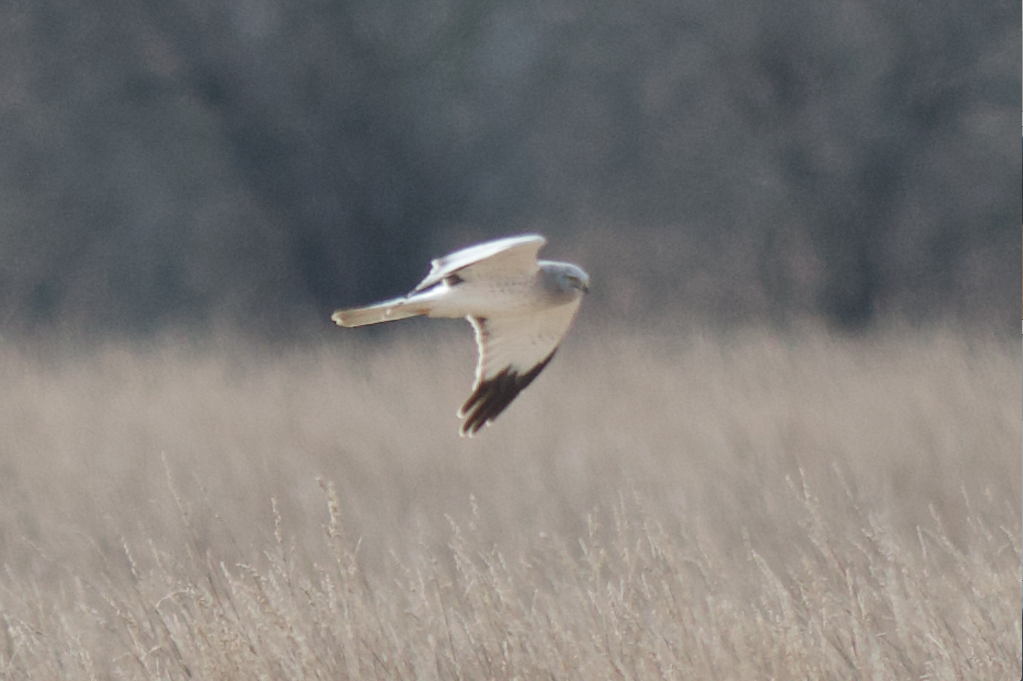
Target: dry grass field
point(661, 505)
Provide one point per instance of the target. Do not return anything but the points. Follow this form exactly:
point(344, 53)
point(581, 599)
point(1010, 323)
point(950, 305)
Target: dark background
point(257, 163)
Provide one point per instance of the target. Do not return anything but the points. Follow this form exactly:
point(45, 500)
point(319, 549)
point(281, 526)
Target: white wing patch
point(513, 255)
point(513, 351)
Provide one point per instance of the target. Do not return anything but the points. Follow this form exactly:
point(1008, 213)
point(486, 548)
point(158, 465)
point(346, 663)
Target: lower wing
point(513, 352)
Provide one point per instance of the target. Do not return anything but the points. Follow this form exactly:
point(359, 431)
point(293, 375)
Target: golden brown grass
point(670, 506)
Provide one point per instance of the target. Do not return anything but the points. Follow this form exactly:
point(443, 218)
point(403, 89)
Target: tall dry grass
point(671, 506)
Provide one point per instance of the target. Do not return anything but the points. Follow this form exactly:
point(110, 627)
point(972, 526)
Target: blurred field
point(659, 505)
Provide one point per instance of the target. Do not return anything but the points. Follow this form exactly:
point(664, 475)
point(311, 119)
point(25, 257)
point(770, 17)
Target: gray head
point(563, 280)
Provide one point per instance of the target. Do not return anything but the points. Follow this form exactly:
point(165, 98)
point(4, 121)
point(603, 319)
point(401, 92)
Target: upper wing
point(513, 352)
point(515, 254)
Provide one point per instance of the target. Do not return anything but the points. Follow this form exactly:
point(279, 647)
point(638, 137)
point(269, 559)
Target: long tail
point(387, 311)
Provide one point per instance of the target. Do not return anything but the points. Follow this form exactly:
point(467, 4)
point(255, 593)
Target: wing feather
point(516, 254)
point(513, 352)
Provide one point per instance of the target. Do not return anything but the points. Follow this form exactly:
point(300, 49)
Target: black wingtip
point(493, 395)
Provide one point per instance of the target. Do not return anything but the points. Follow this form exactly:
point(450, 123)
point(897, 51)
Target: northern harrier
point(520, 308)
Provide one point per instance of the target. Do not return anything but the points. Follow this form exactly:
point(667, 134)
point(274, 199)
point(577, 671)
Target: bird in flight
point(519, 307)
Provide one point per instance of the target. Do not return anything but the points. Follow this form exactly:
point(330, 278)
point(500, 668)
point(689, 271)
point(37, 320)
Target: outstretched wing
point(513, 352)
point(512, 255)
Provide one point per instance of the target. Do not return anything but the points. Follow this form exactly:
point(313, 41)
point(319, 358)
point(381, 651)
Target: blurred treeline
point(260, 162)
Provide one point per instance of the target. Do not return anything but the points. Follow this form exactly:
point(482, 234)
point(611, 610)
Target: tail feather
point(387, 311)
